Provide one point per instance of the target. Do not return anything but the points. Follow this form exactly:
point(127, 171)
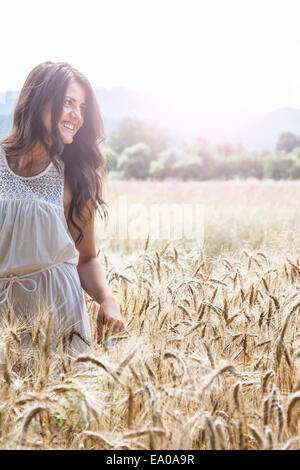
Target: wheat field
point(211, 354)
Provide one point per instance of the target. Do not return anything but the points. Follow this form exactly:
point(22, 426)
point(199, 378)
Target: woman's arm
point(93, 279)
point(92, 276)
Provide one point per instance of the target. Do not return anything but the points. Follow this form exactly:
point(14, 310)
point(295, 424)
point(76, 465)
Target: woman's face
point(72, 116)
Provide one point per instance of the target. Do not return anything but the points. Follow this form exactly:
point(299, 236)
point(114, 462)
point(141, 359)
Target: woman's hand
point(109, 315)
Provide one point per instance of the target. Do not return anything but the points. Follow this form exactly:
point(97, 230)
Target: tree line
point(139, 149)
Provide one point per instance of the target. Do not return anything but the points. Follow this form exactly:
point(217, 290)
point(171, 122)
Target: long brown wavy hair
point(84, 161)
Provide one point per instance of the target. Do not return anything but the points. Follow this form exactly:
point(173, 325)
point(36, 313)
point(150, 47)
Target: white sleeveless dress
point(38, 257)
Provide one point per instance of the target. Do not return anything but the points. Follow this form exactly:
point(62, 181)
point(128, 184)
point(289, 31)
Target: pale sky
point(218, 56)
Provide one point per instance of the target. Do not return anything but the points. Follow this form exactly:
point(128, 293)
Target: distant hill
point(254, 132)
point(265, 131)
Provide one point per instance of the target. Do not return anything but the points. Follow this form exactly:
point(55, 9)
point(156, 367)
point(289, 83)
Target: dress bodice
point(33, 229)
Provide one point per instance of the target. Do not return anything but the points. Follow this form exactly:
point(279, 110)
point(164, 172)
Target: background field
point(210, 356)
point(238, 214)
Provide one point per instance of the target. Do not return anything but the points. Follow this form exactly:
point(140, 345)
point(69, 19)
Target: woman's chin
point(67, 139)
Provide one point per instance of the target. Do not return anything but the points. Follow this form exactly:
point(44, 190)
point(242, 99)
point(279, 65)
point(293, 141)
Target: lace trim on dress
point(48, 186)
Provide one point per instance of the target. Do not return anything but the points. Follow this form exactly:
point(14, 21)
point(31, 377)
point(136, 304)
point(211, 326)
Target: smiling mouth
point(69, 126)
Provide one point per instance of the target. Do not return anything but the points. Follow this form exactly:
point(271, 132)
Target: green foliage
point(162, 167)
point(111, 158)
point(227, 149)
point(131, 130)
point(287, 142)
point(201, 148)
point(134, 161)
point(116, 175)
point(240, 166)
point(294, 171)
point(188, 168)
point(279, 167)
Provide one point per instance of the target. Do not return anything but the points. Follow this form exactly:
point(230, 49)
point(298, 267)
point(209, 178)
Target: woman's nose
point(76, 112)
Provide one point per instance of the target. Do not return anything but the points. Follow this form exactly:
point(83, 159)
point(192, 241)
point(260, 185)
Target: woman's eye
point(68, 102)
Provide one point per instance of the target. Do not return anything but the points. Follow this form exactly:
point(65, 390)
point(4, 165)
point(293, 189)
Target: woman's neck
point(37, 156)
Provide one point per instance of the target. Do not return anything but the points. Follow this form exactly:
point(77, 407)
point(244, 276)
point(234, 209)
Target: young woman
point(51, 171)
